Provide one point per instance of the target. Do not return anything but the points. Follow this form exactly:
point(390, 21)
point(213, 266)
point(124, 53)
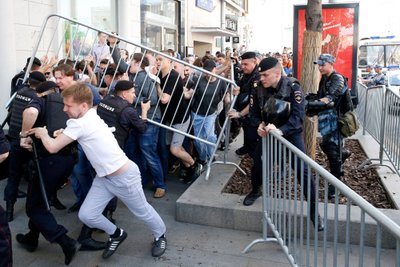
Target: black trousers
point(256, 172)
point(5, 240)
point(55, 169)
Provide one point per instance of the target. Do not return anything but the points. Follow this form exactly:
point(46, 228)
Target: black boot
point(10, 211)
point(29, 241)
point(252, 197)
point(69, 247)
point(87, 242)
point(56, 203)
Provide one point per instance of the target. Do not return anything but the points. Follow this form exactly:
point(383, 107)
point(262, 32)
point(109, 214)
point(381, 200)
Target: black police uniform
point(248, 83)
point(332, 87)
point(288, 89)
point(18, 155)
point(5, 234)
point(55, 169)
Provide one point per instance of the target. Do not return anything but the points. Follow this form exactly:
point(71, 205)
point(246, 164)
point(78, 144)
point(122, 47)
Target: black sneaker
point(251, 197)
point(345, 155)
point(242, 151)
point(159, 246)
point(113, 243)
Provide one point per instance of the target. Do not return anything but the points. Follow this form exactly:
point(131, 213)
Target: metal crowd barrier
point(69, 39)
point(379, 114)
point(355, 234)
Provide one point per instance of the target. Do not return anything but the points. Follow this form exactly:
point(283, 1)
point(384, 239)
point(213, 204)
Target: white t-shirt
point(97, 141)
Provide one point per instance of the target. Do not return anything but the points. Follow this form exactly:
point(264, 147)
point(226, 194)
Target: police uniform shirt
point(129, 119)
point(40, 105)
point(287, 89)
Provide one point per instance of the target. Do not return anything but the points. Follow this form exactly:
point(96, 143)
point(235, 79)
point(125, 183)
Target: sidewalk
point(188, 244)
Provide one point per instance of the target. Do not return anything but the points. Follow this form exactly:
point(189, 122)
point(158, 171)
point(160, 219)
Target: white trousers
point(128, 188)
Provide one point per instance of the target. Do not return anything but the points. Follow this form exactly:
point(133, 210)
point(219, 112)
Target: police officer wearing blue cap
point(332, 90)
point(379, 78)
point(278, 103)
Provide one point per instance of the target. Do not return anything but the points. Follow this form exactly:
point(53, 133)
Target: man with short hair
point(18, 155)
point(116, 174)
point(289, 124)
point(332, 91)
point(246, 85)
point(174, 108)
point(100, 50)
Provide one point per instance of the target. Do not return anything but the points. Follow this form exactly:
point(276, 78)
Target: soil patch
point(361, 181)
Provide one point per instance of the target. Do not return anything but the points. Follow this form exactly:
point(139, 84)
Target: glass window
point(160, 22)
point(392, 55)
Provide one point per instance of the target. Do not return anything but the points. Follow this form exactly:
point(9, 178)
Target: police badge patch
point(298, 96)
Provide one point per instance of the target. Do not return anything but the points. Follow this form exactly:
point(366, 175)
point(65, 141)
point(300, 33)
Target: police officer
point(379, 78)
point(117, 111)
point(55, 168)
point(247, 83)
point(332, 91)
point(287, 90)
point(5, 240)
point(18, 155)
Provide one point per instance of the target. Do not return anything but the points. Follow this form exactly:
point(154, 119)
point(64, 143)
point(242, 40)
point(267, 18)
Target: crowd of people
point(113, 123)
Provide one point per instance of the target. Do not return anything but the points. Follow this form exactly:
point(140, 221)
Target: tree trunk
point(310, 75)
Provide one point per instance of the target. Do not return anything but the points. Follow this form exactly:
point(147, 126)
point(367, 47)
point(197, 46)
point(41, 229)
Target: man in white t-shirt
point(116, 175)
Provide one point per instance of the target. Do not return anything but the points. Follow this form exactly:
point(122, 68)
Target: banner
point(339, 37)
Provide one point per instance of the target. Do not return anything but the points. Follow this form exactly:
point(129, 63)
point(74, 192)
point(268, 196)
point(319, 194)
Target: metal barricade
point(355, 234)
point(71, 40)
point(379, 115)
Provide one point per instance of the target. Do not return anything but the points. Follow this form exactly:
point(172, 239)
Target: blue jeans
point(204, 128)
point(148, 144)
point(81, 177)
point(163, 150)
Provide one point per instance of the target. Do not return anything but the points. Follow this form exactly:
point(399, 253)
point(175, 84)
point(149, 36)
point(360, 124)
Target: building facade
point(186, 26)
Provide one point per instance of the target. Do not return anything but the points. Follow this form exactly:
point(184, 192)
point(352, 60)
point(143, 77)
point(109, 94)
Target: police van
point(383, 50)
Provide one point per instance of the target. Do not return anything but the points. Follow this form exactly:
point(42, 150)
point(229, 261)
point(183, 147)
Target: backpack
point(348, 124)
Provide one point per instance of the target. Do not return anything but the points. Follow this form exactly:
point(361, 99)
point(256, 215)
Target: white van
point(383, 50)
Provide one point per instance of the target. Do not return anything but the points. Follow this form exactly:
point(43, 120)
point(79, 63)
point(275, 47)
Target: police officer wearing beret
point(275, 87)
point(246, 85)
point(18, 155)
point(331, 91)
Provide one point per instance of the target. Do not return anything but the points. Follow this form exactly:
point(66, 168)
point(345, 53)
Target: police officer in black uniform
point(55, 168)
point(18, 155)
point(5, 234)
point(274, 86)
point(117, 111)
point(247, 84)
point(333, 92)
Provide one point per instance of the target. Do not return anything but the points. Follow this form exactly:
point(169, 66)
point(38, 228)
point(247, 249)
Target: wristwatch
point(22, 135)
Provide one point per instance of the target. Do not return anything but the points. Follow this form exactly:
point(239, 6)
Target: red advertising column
point(339, 37)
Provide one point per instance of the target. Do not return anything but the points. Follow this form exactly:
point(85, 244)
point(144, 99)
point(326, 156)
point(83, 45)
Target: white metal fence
point(355, 234)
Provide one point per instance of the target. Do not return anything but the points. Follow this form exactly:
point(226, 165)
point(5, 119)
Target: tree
point(310, 75)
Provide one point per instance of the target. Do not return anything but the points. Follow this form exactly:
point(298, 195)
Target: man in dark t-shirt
point(175, 113)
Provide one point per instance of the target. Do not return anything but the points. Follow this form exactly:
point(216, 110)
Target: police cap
point(267, 63)
point(248, 55)
point(325, 58)
point(378, 66)
point(123, 85)
point(37, 76)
